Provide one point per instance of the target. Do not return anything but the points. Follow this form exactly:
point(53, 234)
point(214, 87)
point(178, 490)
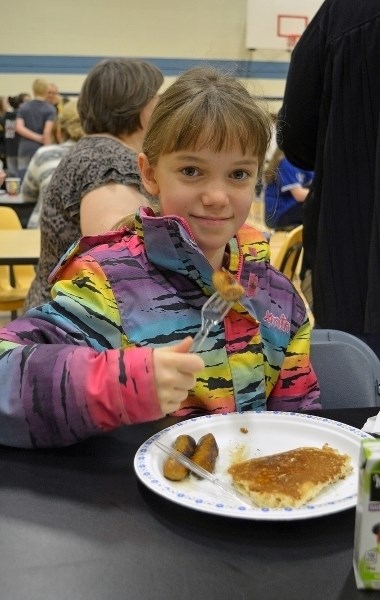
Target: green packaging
point(367, 523)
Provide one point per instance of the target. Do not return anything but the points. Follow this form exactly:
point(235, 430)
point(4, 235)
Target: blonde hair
point(69, 121)
point(205, 107)
point(40, 87)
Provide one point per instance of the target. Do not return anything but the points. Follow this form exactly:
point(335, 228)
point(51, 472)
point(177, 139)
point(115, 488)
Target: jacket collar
point(170, 245)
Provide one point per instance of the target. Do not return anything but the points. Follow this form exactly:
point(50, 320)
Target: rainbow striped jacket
point(82, 364)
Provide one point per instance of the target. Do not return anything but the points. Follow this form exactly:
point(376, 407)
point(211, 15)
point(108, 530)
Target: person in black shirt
point(330, 123)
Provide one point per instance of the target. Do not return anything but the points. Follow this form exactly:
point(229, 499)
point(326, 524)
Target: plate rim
point(287, 514)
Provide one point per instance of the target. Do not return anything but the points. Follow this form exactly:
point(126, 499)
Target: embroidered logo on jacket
point(280, 323)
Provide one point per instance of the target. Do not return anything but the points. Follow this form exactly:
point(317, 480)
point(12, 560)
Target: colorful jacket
point(82, 364)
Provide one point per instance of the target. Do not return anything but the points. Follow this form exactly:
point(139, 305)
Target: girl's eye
point(241, 175)
point(190, 171)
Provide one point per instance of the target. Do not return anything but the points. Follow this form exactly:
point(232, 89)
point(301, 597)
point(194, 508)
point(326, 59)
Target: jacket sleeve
point(297, 385)
point(66, 372)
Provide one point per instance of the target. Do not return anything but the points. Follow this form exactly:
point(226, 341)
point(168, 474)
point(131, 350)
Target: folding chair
point(348, 370)
point(289, 254)
point(16, 280)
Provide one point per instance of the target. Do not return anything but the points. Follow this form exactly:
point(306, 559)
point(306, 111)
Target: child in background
point(286, 188)
point(34, 124)
point(67, 130)
point(113, 345)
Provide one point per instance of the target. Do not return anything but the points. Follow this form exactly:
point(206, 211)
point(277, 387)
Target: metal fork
point(213, 312)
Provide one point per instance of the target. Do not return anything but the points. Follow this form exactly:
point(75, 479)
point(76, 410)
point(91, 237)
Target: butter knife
point(201, 472)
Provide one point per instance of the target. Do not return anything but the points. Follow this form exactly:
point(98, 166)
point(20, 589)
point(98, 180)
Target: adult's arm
point(298, 119)
point(103, 207)
point(27, 133)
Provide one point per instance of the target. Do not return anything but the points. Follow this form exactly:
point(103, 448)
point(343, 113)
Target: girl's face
point(212, 191)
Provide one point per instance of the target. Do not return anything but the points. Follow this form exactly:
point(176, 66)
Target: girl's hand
point(175, 371)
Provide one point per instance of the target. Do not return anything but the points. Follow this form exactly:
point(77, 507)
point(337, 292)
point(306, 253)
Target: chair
point(290, 252)
point(347, 369)
point(15, 280)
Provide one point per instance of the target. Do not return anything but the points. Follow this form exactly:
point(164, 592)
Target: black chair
point(347, 369)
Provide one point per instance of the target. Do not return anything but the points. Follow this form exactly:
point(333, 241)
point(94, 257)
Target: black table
point(75, 524)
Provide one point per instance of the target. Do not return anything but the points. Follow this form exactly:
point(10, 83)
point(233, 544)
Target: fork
point(213, 312)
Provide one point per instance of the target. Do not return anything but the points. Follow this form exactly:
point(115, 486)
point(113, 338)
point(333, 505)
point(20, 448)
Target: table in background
point(19, 246)
point(76, 523)
point(23, 209)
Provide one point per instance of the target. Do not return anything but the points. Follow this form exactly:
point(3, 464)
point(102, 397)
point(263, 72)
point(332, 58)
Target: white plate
point(268, 432)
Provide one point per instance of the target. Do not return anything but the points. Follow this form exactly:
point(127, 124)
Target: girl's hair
point(69, 121)
point(205, 107)
point(114, 93)
point(271, 170)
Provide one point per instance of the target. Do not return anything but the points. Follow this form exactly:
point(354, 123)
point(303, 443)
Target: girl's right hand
point(175, 369)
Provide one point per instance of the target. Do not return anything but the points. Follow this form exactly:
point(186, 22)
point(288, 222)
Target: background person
point(34, 123)
point(3, 110)
point(98, 182)
point(53, 97)
point(11, 137)
point(46, 159)
point(2, 175)
point(286, 188)
point(330, 122)
point(97, 356)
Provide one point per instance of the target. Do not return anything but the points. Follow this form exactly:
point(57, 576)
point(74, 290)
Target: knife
point(202, 473)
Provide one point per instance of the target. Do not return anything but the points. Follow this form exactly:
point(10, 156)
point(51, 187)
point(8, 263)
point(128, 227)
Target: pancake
point(290, 479)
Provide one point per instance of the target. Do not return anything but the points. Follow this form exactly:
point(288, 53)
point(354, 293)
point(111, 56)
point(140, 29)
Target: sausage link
point(172, 468)
point(206, 452)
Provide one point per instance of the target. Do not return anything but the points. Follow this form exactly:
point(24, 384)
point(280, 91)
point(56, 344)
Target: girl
point(112, 347)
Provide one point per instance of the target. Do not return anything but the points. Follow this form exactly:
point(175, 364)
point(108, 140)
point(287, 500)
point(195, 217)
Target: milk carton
point(367, 524)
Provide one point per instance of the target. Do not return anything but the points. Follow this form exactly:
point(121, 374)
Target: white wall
point(200, 29)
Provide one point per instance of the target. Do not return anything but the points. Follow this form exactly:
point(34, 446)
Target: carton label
point(367, 524)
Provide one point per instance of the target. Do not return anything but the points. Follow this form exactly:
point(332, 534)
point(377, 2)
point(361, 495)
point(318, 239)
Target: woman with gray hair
point(98, 182)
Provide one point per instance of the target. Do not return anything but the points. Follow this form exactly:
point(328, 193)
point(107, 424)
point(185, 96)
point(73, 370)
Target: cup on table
point(12, 185)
